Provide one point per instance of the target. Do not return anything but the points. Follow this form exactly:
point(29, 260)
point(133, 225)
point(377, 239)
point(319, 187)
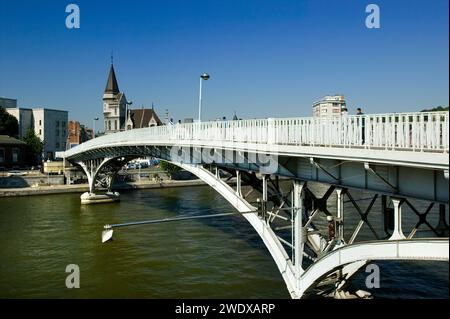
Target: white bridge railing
point(420, 131)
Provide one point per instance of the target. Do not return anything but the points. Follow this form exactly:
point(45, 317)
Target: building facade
point(330, 105)
point(114, 105)
point(143, 117)
point(7, 103)
point(24, 118)
point(77, 134)
point(12, 152)
point(49, 125)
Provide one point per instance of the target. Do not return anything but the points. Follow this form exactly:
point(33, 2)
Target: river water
point(213, 258)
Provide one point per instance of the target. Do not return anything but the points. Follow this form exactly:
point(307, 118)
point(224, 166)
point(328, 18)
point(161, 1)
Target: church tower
point(114, 105)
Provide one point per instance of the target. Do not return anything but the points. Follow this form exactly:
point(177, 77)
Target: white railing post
point(271, 131)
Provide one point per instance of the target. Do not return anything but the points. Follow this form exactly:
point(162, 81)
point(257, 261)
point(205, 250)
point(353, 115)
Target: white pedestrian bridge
point(399, 158)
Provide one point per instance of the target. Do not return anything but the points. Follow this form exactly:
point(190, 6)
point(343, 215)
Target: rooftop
point(5, 139)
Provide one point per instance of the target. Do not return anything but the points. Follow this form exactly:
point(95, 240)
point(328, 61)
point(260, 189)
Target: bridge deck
point(410, 139)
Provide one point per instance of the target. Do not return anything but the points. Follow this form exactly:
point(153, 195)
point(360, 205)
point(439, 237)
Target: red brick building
point(78, 134)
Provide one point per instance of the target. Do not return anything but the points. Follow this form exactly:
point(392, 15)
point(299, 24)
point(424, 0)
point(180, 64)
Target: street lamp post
point(93, 126)
point(204, 76)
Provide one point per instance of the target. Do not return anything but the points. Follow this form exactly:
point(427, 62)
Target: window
point(40, 132)
point(115, 125)
point(115, 111)
point(57, 123)
point(2, 155)
point(63, 123)
point(15, 155)
point(109, 125)
point(57, 132)
point(57, 145)
point(40, 122)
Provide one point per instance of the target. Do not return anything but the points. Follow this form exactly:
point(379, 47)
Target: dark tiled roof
point(5, 139)
point(111, 85)
point(142, 117)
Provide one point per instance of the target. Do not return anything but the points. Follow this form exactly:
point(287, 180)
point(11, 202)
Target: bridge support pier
point(442, 227)
point(238, 183)
point(264, 197)
point(398, 232)
point(108, 166)
point(340, 192)
point(91, 168)
point(299, 231)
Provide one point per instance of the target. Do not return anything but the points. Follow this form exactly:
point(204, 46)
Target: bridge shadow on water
point(180, 202)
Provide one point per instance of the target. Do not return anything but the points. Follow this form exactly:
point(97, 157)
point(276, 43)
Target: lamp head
point(205, 76)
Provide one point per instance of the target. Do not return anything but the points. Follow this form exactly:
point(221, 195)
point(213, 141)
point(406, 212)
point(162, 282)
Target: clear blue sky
point(265, 58)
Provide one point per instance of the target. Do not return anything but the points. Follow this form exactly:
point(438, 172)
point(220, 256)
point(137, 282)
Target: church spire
point(111, 84)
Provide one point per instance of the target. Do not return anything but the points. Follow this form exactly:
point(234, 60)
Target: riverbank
point(81, 188)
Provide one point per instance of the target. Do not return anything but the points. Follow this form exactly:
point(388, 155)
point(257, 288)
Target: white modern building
point(49, 125)
point(114, 105)
point(330, 105)
point(25, 118)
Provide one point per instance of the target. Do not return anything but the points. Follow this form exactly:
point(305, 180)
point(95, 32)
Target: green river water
point(213, 258)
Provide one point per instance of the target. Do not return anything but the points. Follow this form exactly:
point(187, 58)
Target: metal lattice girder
point(364, 219)
point(422, 219)
point(321, 203)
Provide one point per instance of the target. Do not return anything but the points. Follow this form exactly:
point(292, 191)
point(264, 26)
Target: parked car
point(143, 164)
point(16, 173)
point(154, 161)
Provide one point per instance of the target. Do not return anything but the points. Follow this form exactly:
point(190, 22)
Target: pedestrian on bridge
point(363, 123)
point(331, 228)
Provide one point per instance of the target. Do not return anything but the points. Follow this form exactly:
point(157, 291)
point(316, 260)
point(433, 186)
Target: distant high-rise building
point(330, 105)
point(114, 105)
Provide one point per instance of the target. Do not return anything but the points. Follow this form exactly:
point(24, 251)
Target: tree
point(436, 109)
point(8, 124)
point(34, 147)
point(169, 168)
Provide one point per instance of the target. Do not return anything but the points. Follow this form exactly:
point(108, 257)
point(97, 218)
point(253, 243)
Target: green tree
point(169, 168)
point(436, 109)
point(8, 124)
point(34, 147)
